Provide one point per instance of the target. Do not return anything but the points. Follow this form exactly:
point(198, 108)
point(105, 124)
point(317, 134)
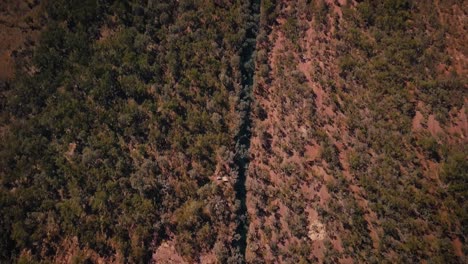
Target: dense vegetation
point(129, 129)
point(115, 136)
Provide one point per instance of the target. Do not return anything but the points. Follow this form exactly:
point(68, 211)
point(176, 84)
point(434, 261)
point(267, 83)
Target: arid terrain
point(340, 172)
point(264, 131)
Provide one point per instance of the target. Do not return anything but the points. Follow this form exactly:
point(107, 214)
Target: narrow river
point(243, 137)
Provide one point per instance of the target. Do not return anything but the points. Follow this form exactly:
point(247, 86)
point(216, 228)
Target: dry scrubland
point(323, 131)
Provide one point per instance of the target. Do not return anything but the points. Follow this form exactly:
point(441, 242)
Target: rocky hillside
point(226, 131)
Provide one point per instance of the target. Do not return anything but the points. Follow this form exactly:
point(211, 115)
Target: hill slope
point(271, 131)
point(359, 140)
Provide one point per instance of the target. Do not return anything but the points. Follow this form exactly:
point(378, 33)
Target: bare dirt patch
point(167, 254)
point(317, 231)
point(434, 126)
point(417, 121)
